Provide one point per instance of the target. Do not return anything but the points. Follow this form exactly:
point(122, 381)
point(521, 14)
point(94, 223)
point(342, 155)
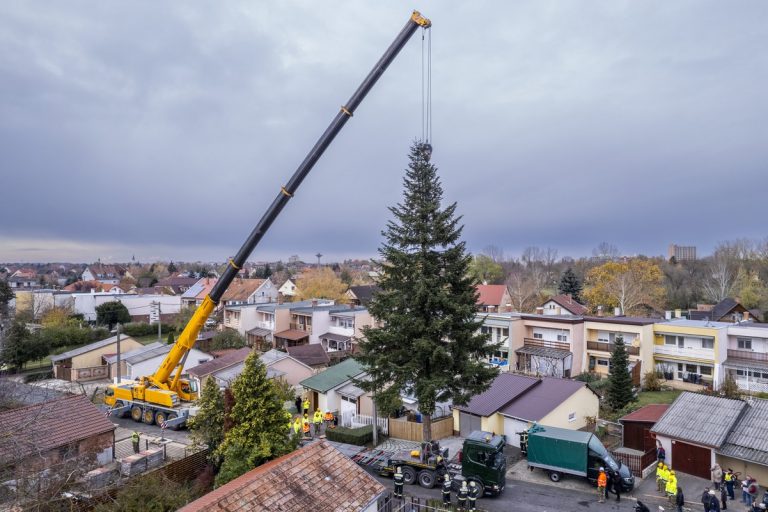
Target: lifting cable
point(426, 85)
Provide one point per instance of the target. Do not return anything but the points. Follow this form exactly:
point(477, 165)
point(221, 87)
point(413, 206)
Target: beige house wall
point(362, 320)
point(575, 338)
point(583, 403)
point(645, 338)
point(282, 319)
point(295, 371)
point(493, 423)
point(757, 471)
point(94, 357)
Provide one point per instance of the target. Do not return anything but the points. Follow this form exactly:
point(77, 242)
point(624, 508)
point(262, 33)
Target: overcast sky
point(164, 129)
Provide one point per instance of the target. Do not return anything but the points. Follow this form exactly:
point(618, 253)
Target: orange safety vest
point(602, 480)
point(328, 416)
point(306, 427)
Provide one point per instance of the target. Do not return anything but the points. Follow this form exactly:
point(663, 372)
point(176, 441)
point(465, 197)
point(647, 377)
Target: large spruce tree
point(619, 391)
point(207, 427)
point(428, 342)
point(570, 285)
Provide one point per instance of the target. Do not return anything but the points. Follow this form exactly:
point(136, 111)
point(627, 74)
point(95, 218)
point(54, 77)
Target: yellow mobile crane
point(158, 398)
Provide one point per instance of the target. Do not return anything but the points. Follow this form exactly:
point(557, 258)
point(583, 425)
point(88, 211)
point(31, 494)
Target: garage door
point(511, 428)
point(691, 459)
point(468, 423)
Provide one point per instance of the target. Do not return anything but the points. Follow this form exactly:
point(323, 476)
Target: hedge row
point(357, 436)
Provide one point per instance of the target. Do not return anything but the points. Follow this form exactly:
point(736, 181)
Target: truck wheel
point(426, 478)
point(480, 485)
point(148, 416)
point(409, 475)
point(136, 413)
point(555, 476)
point(159, 418)
point(172, 416)
point(118, 405)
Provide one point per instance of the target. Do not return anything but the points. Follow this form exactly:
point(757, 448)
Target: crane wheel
point(136, 413)
point(159, 418)
point(172, 416)
point(409, 475)
point(148, 417)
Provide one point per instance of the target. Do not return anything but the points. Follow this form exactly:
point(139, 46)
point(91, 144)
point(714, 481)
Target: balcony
point(601, 346)
point(536, 342)
point(686, 352)
point(342, 331)
point(266, 325)
point(301, 327)
point(748, 355)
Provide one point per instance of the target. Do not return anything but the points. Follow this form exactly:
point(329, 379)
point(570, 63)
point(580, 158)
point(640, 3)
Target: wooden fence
point(636, 463)
point(412, 431)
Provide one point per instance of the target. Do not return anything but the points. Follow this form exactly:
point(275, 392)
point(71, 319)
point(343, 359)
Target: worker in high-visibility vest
point(602, 483)
point(328, 418)
point(472, 495)
point(399, 481)
point(306, 427)
point(317, 420)
point(664, 478)
point(135, 440)
point(447, 490)
point(660, 484)
point(671, 487)
point(462, 495)
point(305, 405)
point(297, 425)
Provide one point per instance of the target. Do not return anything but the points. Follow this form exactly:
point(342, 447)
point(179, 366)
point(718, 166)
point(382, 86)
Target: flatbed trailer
point(173, 418)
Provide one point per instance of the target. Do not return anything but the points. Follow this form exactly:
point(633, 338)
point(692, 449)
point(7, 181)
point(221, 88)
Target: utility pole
point(118, 354)
point(159, 324)
point(375, 422)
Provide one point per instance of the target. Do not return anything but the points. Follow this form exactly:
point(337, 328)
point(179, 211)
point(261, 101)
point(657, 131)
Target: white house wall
point(150, 366)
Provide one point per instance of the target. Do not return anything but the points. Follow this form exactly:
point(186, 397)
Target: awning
point(351, 391)
point(551, 353)
point(334, 337)
point(733, 362)
point(258, 331)
point(292, 334)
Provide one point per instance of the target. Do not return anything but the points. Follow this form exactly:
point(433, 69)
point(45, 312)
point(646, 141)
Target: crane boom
point(175, 358)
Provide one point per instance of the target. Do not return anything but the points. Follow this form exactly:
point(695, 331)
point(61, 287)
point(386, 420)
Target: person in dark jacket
point(679, 499)
point(714, 503)
point(705, 499)
point(614, 483)
point(723, 498)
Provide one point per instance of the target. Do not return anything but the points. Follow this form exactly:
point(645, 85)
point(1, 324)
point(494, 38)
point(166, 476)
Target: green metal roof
point(561, 433)
point(333, 376)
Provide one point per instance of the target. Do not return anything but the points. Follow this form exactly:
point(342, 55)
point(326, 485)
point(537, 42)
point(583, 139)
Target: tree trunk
point(426, 427)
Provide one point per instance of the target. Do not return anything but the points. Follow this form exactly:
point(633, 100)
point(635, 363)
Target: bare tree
point(524, 289)
point(605, 251)
point(722, 271)
point(495, 253)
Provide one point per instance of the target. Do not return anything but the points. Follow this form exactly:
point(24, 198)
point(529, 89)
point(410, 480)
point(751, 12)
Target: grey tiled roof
point(748, 440)
point(86, 348)
point(701, 419)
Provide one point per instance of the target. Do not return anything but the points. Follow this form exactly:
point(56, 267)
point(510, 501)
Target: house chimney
point(280, 298)
point(599, 310)
point(570, 299)
point(616, 311)
point(668, 315)
point(314, 303)
point(746, 316)
point(678, 313)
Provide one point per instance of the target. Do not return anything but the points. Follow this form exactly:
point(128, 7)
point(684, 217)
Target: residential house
point(563, 305)
point(107, 274)
point(694, 428)
point(747, 356)
point(223, 369)
point(308, 323)
point(249, 291)
point(316, 476)
point(334, 389)
point(548, 344)
point(86, 362)
point(727, 310)
point(147, 359)
point(175, 285)
point(601, 334)
point(313, 356)
point(287, 289)
point(23, 281)
point(361, 295)
point(63, 434)
point(689, 353)
point(493, 298)
point(196, 293)
point(292, 370)
point(45, 299)
point(638, 424)
point(498, 326)
point(345, 327)
point(513, 402)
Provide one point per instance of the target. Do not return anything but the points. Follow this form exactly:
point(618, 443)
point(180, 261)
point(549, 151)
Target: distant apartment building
point(682, 252)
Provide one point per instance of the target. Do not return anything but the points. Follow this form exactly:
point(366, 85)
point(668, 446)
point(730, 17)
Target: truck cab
point(598, 457)
point(483, 460)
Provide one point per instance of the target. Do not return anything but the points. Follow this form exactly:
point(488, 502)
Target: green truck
point(561, 451)
point(481, 460)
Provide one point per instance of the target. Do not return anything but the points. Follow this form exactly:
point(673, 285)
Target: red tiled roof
point(313, 478)
point(490, 294)
point(566, 302)
point(214, 365)
point(42, 427)
point(650, 413)
point(311, 355)
point(241, 289)
point(292, 334)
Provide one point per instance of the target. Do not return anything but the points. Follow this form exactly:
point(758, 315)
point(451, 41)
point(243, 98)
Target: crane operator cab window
point(189, 386)
point(109, 391)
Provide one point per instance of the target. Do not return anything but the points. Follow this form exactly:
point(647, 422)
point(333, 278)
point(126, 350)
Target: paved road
point(126, 426)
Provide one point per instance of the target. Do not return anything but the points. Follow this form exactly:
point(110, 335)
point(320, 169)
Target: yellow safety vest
point(672, 485)
point(318, 418)
point(664, 474)
point(297, 425)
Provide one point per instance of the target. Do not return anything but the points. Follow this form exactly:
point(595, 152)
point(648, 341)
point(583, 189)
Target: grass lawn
point(150, 338)
point(657, 397)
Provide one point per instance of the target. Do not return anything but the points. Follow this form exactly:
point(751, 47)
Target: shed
point(637, 426)
point(86, 362)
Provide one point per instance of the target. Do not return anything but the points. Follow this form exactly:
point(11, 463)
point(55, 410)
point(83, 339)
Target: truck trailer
point(560, 451)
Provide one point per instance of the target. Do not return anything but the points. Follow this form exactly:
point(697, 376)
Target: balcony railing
point(674, 350)
point(341, 331)
point(536, 342)
point(748, 355)
point(266, 325)
point(301, 327)
point(608, 347)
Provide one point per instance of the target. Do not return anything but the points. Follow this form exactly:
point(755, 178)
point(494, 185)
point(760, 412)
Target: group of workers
point(306, 425)
point(466, 497)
